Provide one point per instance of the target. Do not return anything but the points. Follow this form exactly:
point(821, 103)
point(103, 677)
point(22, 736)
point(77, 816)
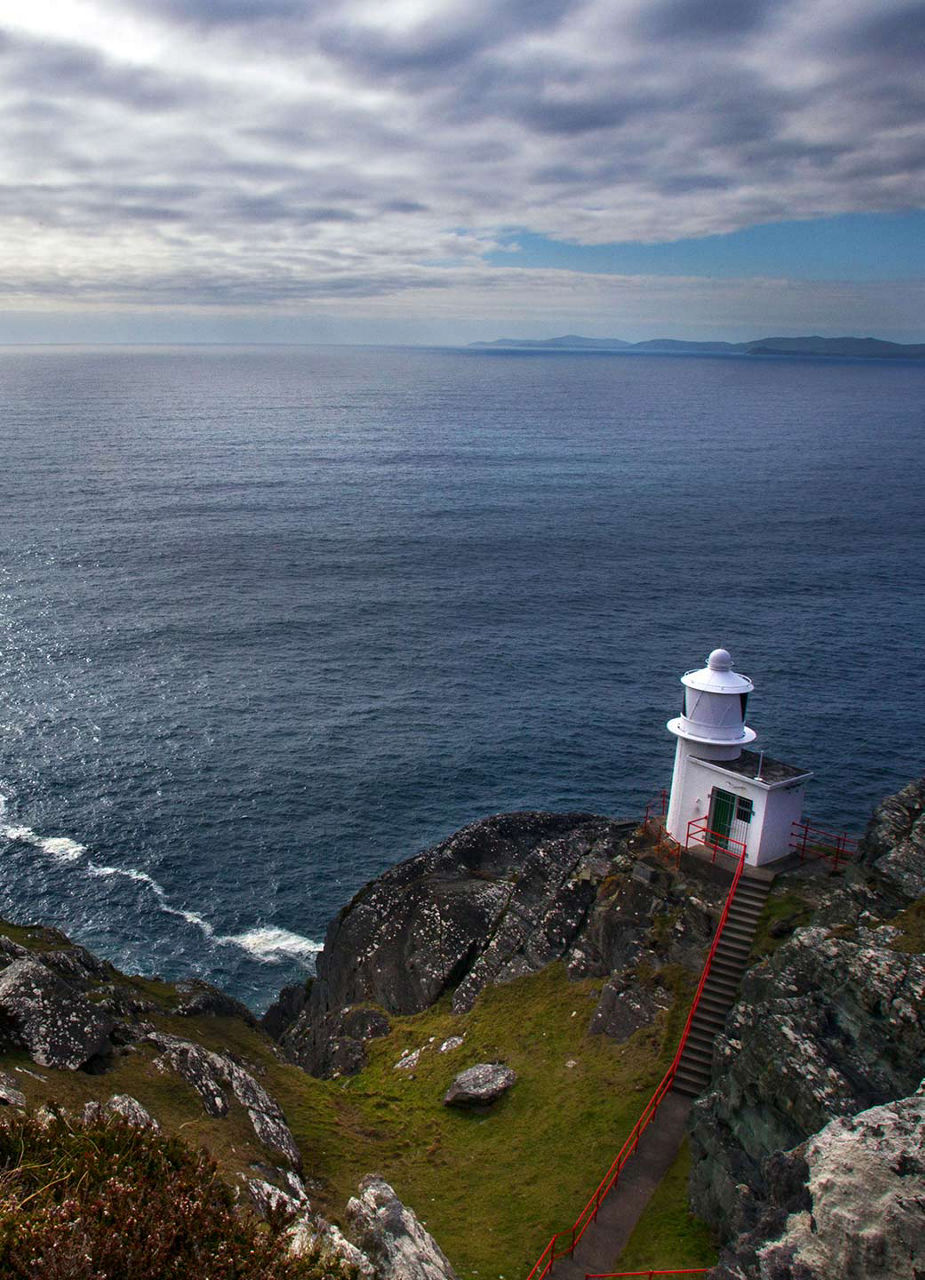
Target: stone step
point(696, 1056)
point(689, 1083)
point(730, 969)
point(721, 987)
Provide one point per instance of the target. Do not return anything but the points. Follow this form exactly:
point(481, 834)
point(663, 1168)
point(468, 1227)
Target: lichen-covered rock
point(211, 1073)
point(323, 1242)
point(49, 1018)
point(626, 1005)
point(10, 1095)
point(78, 966)
point(829, 1026)
point(860, 1211)
point(125, 1107)
point(501, 898)
point(480, 1086)
point(392, 1238)
point(894, 843)
point(198, 997)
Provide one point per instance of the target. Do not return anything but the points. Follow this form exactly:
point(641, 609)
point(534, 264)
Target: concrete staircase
point(722, 986)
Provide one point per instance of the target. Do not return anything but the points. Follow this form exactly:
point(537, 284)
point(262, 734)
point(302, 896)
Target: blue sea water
point(272, 619)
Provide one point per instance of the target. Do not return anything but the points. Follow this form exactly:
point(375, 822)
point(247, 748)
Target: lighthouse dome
point(714, 704)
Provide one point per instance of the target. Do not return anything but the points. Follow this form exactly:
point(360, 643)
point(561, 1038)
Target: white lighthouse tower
point(723, 795)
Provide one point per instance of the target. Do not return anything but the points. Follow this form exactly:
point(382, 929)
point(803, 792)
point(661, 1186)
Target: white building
point(723, 795)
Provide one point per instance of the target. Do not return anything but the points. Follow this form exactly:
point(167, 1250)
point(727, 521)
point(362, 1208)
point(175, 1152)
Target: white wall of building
point(774, 807)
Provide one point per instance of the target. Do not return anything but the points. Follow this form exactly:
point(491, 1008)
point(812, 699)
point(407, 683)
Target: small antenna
point(758, 777)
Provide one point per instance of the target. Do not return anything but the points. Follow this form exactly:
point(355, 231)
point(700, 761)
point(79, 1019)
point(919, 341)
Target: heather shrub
point(106, 1201)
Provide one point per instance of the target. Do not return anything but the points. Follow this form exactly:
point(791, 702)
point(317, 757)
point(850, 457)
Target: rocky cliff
point(825, 1043)
point(502, 898)
point(819, 1064)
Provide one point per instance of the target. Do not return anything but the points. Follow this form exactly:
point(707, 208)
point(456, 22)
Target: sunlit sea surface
point(272, 619)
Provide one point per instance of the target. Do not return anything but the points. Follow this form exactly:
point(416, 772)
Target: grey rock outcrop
point(125, 1107)
point(210, 1074)
point(198, 997)
point(827, 1027)
point(10, 1095)
point(625, 1005)
point(50, 1018)
point(852, 1205)
point(894, 843)
point(833, 1023)
point(480, 1086)
point(392, 1238)
point(501, 898)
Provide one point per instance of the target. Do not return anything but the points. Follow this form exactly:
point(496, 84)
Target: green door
point(722, 812)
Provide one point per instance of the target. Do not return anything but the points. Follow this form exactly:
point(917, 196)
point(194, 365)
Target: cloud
point(254, 153)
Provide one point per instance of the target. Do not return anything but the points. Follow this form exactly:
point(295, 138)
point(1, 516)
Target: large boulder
point(50, 1018)
point(480, 1086)
point(499, 899)
point(391, 1236)
point(851, 1203)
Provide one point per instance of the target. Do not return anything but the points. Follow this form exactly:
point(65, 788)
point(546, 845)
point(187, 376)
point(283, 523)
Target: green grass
point(912, 923)
point(784, 911)
point(668, 1234)
point(492, 1187)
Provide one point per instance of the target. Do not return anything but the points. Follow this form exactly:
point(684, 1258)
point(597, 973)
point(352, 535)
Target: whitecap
point(268, 943)
point(130, 873)
point(61, 848)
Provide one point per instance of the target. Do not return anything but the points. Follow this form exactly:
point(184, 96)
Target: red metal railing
point(814, 842)
point(618, 1275)
point(656, 808)
point(699, 833)
point(564, 1242)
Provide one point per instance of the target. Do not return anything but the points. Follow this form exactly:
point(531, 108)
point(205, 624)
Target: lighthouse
point(724, 795)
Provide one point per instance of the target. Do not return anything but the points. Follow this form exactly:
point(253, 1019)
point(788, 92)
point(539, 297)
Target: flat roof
point(746, 766)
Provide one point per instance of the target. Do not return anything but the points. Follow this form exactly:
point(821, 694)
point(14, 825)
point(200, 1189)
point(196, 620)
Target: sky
point(444, 171)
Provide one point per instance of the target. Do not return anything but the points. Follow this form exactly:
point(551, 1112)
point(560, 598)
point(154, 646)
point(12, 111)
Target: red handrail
point(618, 1275)
point(710, 839)
point(588, 1214)
point(816, 842)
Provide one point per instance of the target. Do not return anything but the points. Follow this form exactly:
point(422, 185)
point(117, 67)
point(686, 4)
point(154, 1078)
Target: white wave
point(130, 873)
point(268, 943)
point(62, 848)
point(265, 943)
point(59, 847)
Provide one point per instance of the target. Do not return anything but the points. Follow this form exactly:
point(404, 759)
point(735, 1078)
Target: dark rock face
point(894, 843)
point(285, 1009)
point(48, 1017)
point(625, 1006)
point(849, 1202)
point(480, 1086)
point(200, 997)
point(501, 898)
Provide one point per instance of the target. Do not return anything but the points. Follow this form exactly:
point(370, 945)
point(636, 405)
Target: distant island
point(869, 348)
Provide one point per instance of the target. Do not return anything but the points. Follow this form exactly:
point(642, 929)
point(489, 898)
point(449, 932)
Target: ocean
point(272, 619)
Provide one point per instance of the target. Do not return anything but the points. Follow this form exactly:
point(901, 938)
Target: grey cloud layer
point(274, 149)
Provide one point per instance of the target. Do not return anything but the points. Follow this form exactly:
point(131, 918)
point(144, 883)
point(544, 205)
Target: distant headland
point(868, 348)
